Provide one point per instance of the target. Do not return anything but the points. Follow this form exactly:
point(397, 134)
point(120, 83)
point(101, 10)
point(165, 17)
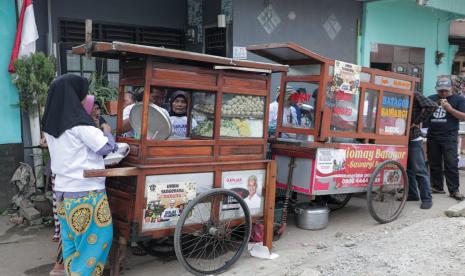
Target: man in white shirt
point(289, 112)
point(170, 213)
point(253, 200)
point(157, 97)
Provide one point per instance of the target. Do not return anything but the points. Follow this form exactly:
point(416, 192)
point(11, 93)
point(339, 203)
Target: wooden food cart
point(352, 133)
point(164, 187)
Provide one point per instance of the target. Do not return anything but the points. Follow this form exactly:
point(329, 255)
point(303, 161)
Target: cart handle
point(112, 172)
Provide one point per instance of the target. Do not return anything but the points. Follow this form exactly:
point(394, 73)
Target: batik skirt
point(86, 232)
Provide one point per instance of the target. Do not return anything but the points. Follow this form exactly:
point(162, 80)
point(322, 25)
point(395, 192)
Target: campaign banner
point(343, 96)
point(346, 77)
point(349, 167)
point(249, 185)
point(168, 195)
point(166, 201)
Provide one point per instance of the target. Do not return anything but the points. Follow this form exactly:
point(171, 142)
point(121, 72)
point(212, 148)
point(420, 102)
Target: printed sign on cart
point(249, 185)
point(348, 169)
point(342, 96)
point(168, 195)
point(394, 114)
point(346, 77)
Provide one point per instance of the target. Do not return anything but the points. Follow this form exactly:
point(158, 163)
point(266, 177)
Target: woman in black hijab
point(64, 109)
point(76, 145)
point(179, 102)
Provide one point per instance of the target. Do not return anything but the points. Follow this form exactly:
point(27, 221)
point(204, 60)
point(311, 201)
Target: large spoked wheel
point(336, 201)
point(387, 191)
point(212, 232)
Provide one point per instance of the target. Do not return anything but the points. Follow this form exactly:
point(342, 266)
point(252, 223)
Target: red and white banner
point(26, 34)
point(350, 166)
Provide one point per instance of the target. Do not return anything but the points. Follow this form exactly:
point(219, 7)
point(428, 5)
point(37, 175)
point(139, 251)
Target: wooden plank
point(121, 208)
point(145, 109)
point(321, 110)
point(179, 151)
point(282, 90)
point(269, 204)
point(240, 157)
point(245, 91)
point(184, 143)
point(119, 118)
point(179, 160)
point(267, 115)
point(121, 48)
point(241, 150)
point(88, 38)
point(134, 150)
point(243, 69)
point(185, 76)
point(304, 78)
point(247, 84)
point(132, 73)
point(124, 171)
point(183, 85)
point(217, 114)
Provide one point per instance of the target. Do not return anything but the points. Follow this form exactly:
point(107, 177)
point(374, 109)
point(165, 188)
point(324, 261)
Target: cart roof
point(287, 53)
point(122, 49)
point(293, 54)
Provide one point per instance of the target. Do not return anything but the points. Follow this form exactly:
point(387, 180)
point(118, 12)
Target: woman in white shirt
point(75, 145)
point(179, 101)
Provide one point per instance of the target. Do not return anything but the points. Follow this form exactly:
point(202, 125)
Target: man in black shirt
point(442, 139)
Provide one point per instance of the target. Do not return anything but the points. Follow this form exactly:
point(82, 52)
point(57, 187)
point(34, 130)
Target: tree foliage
point(33, 76)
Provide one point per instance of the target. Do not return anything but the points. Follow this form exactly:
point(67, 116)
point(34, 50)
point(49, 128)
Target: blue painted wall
point(404, 23)
point(10, 120)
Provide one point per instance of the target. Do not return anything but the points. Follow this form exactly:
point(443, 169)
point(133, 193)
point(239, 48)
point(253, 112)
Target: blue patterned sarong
point(86, 232)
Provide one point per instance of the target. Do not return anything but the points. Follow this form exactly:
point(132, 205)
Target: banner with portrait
point(249, 185)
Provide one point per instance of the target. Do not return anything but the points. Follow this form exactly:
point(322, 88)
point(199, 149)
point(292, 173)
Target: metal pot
point(311, 217)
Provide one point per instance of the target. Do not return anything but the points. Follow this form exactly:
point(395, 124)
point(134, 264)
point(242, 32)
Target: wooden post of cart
point(225, 146)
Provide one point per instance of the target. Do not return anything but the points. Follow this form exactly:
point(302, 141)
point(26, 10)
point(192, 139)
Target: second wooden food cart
point(182, 186)
point(351, 134)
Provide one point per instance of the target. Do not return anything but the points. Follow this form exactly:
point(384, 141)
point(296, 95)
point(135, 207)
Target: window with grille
point(72, 33)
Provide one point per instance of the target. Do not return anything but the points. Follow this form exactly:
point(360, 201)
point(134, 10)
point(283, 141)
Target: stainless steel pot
point(311, 217)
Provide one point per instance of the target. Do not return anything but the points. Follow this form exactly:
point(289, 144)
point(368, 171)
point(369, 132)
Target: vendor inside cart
point(179, 103)
point(175, 105)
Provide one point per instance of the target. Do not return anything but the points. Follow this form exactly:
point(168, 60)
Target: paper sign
point(239, 52)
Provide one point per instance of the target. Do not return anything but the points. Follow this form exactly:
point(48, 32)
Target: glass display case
point(359, 104)
point(242, 116)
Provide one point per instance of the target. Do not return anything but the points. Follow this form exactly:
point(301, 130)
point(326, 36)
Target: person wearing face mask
point(96, 114)
point(179, 101)
point(75, 145)
point(442, 139)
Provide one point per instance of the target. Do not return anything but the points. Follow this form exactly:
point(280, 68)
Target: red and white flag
point(26, 34)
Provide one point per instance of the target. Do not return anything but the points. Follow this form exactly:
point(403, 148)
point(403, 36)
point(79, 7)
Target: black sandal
point(138, 251)
point(457, 196)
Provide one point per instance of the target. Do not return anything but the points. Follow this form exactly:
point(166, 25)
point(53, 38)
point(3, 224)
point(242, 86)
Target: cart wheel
point(387, 191)
point(208, 238)
point(337, 201)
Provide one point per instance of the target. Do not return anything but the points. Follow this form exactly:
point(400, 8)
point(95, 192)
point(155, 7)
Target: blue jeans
point(418, 177)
